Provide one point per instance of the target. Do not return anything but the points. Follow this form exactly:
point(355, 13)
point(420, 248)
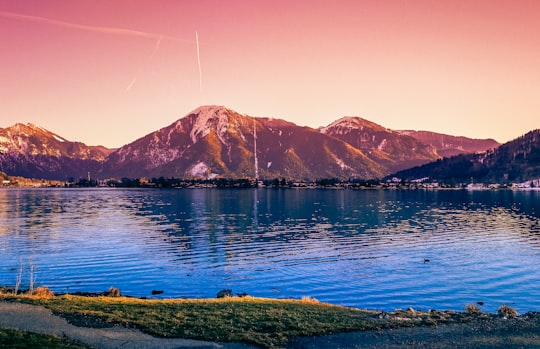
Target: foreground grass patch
point(265, 322)
point(268, 323)
point(15, 339)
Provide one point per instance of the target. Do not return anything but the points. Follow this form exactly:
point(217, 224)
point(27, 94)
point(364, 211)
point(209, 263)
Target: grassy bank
point(268, 323)
point(14, 339)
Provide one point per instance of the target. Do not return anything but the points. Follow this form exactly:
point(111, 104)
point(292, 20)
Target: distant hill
point(447, 145)
point(515, 161)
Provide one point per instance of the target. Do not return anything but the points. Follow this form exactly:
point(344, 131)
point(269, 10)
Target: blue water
point(361, 248)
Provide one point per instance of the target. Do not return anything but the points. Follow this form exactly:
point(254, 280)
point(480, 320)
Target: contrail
point(154, 51)
point(97, 29)
point(199, 61)
point(131, 84)
point(155, 48)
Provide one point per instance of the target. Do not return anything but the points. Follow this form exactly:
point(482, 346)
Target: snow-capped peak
point(351, 122)
point(348, 121)
point(207, 109)
point(209, 117)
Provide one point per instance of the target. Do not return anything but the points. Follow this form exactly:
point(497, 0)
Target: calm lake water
point(367, 249)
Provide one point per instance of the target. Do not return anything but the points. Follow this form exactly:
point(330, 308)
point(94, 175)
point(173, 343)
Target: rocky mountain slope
point(515, 161)
point(30, 151)
point(391, 149)
point(215, 141)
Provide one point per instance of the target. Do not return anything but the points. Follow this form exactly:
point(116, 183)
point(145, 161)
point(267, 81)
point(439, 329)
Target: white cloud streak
point(91, 28)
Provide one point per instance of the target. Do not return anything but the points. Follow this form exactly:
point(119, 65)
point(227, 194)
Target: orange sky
point(110, 71)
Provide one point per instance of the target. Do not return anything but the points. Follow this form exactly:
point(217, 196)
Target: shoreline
point(156, 295)
point(269, 322)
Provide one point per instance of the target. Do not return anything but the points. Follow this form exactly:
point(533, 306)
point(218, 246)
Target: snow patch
point(382, 145)
point(269, 164)
point(209, 117)
point(341, 164)
point(59, 138)
point(199, 170)
point(344, 123)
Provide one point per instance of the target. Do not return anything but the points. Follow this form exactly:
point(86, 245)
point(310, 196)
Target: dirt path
point(41, 320)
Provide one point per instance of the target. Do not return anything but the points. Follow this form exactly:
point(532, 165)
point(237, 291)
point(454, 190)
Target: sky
point(106, 72)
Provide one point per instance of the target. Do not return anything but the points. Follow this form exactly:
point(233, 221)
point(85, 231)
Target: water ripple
point(368, 249)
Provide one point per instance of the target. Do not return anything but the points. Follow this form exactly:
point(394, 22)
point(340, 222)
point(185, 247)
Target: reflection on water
point(368, 249)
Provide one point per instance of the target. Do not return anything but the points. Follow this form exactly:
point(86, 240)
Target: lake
point(376, 249)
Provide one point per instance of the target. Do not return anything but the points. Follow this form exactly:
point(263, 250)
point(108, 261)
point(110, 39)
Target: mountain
point(31, 151)
point(215, 141)
point(393, 150)
point(515, 161)
point(447, 145)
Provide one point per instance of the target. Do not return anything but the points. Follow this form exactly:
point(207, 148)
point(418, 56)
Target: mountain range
point(214, 141)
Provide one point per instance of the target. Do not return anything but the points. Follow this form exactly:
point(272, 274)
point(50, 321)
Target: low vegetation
point(268, 323)
point(15, 339)
point(264, 322)
point(507, 311)
point(42, 292)
point(472, 309)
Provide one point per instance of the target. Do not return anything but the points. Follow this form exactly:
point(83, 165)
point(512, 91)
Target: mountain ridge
point(448, 145)
point(31, 151)
point(215, 141)
point(382, 145)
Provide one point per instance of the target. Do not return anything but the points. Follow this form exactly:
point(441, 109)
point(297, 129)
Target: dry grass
point(112, 292)
point(310, 300)
point(507, 311)
point(42, 292)
point(472, 309)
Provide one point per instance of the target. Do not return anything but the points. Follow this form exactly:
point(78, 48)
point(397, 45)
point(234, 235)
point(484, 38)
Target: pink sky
point(108, 72)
